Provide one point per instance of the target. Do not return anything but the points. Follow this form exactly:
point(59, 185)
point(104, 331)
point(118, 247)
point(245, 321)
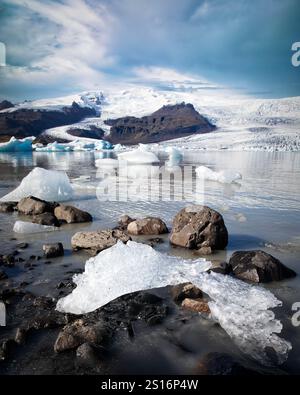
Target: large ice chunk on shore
point(223, 176)
point(29, 227)
point(16, 145)
point(241, 309)
point(140, 155)
point(50, 185)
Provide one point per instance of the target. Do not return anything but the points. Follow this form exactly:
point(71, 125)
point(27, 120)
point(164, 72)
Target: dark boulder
point(199, 228)
point(53, 250)
point(47, 219)
point(259, 267)
point(71, 214)
point(33, 206)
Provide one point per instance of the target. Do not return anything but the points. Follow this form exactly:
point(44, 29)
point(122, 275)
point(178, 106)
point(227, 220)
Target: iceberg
point(175, 156)
point(241, 309)
point(50, 185)
point(139, 156)
point(17, 145)
point(224, 176)
point(29, 227)
point(110, 162)
point(54, 147)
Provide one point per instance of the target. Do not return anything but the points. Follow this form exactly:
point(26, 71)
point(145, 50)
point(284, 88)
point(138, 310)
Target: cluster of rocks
point(198, 228)
point(190, 297)
point(46, 213)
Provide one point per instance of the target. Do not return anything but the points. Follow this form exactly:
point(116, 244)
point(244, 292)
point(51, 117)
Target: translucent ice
point(224, 176)
point(44, 184)
point(241, 309)
point(15, 145)
point(29, 227)
point(175, 156)
point(139, 155)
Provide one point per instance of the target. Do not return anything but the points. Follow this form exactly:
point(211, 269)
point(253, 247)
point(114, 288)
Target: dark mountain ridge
point(169, 122)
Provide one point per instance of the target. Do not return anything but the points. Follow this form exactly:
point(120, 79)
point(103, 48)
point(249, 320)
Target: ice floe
point(77, 145)
point(29, 227)
point(50, 185)
point(175, 156)
point(141, 155)
point(17, 145)
point(241, 309)
point(223, 176)
point(109, 162)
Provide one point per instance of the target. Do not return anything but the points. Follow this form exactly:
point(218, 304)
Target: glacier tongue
point(241, 309)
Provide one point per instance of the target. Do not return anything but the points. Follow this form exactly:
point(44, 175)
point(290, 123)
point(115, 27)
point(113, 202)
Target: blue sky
point(56, 47)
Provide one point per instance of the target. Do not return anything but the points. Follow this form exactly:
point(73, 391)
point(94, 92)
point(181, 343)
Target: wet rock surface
point(222, 365)
point(53, 250)
point(97, 241)
point(197, 305)
point(70, 214)
point(259, 267)
point(34, 206)
point(182, 291)
point(200, 228)
point(147, 226)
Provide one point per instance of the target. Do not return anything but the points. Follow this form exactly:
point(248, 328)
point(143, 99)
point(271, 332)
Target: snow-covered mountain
point(243, 123)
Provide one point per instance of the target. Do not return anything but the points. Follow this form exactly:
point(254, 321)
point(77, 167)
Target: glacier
point(241, 309)
point(50, 185)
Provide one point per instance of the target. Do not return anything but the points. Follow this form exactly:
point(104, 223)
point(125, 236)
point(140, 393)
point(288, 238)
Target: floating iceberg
point(110, 162)
point(175, 156)
point(15, 145)
point(50, 185)
point(54, 147)
point(76, 145)
point(224, 176)
point(29, 227)
point(139, 156)
point(241, 309)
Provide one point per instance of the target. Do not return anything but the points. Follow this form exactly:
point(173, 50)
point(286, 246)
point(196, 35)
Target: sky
point(58, 47)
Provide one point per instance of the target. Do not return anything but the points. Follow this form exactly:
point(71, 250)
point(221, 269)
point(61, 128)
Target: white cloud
point(171, 77)
point(71, 39)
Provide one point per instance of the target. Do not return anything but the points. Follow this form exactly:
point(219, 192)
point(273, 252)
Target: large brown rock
point(34, 206)
point(259, 267)
point(200, 228)
point(71, 214)
point(99, 240)
point(77, 333)
point(147, 226)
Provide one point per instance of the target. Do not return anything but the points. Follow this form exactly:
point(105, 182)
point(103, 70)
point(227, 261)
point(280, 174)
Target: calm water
point(263, 211)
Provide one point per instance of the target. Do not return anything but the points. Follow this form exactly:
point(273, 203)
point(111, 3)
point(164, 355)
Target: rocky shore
point(116, 338)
